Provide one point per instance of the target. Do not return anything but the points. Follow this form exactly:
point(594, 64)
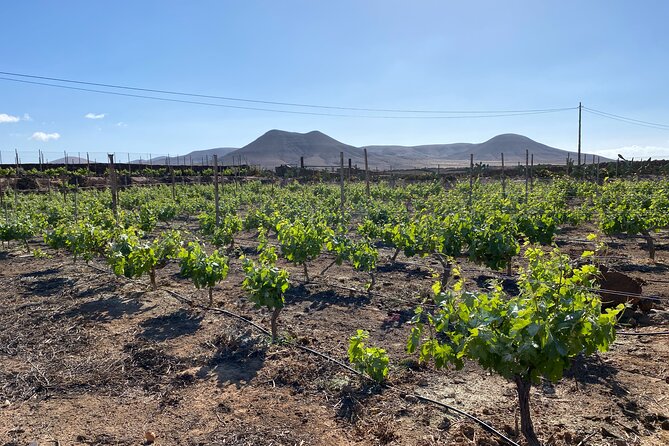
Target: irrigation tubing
point(482, 423)
point(190, 302)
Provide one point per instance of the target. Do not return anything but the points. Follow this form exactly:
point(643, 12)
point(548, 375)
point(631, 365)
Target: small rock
point(6, 403)
point(150, 437)
point(665, 425)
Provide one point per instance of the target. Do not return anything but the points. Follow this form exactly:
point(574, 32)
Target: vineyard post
point(617, 165)
point(366, 173)
point(76, 208)
point(150, 160)
point(579, 134)
point(349, 170)
point(471, 177)
point(527, 171)
point(16, 182)
point(88, 163)
point(218, 209)
point(341, 178)
point(127, 179)
point(174, 192)
point(567, 168)
point(592, 175)
point(532, 172)
point(503, 178)
point(597, 171)
point(112, 177)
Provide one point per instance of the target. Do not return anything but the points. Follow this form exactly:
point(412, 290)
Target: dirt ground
point(90, 359)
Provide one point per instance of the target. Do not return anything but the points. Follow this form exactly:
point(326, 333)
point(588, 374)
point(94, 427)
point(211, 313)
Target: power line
point(293, 112)
point(627, 120)
point(288, 104)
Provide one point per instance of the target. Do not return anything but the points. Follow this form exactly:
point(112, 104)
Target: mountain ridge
point(317, 149)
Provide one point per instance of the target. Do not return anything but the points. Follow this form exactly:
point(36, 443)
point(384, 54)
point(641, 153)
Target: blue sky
point(439, 55)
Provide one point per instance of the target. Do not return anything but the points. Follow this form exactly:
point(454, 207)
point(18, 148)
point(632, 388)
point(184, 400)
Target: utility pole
point(580, 108)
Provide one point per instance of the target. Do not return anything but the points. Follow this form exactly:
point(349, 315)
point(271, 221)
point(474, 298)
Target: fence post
point(349, 170)
point(216, 202)
point(527, 172)
point(76, 208)
point(112, 177)
point(341, 178)
point(366, 174)
point(471, 178)
point(532, 172)
point(174, 192)
point(503, 178)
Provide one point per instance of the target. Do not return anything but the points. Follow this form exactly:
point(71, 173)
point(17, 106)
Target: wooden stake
point(366, 174)
point(471, 178)
point(503, 178)
point(216, 199)
point(532, 172)
point(527, 172)
point(174, 192)
point(341, 178)
point(580, 107)
point(112, 177)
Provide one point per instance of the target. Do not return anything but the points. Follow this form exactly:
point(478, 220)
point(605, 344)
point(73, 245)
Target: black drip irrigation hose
point(631, 333)
point(480, 422)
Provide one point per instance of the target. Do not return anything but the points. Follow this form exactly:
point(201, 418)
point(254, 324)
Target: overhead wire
point(289, 104)
point(626, 120)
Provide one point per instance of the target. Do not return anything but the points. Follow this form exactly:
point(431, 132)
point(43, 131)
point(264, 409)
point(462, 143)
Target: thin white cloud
point(27, 117)
point(121, 124)
point(5, 118)
point(94, 115)
point(44, 137)
point(636, 152)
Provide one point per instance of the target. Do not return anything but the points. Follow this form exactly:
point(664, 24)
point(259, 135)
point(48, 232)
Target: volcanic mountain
point(277, 147)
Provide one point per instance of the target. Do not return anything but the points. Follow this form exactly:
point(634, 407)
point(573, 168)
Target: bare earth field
point(90, 359)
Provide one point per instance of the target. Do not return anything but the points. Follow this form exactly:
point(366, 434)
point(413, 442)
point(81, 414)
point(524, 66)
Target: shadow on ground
point(170, 326)
point(321, 300)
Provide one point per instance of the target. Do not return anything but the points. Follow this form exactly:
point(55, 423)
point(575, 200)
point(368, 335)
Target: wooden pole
point(567, 167)
point(532, 172)
point(580, 107)
point(341, 178)
point(76, 208)
point(503, 178)
point(471, 178)
point(174, 192)
point(349, 170)
point(16, 183)
point(216, 199)
point(597, 171)
point(112, 178)
point(527, 172)
point(366, 174)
